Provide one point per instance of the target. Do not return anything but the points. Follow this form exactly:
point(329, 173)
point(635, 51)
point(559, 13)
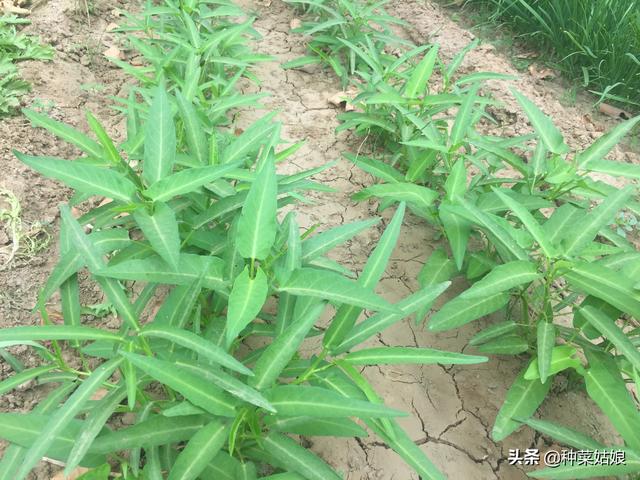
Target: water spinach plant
point(526, 223)
point(214, 289)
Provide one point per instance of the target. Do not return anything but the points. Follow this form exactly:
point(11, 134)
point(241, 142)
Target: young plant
point(16, 47)
point(339, 27)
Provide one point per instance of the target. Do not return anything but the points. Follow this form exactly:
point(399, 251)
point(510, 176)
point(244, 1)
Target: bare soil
point(452, 409)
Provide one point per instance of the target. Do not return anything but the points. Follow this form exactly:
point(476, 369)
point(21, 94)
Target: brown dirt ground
point(452, 409)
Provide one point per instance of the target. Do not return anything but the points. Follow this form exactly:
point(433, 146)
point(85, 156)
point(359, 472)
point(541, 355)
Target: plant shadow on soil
point(451, 409)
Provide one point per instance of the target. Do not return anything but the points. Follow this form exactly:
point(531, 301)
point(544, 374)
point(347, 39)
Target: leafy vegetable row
point(191, 252)
point(526, 223)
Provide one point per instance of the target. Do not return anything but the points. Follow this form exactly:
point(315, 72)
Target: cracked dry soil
point(452, 409)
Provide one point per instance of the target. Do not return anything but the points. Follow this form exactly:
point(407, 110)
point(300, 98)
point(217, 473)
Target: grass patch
point(593, 43)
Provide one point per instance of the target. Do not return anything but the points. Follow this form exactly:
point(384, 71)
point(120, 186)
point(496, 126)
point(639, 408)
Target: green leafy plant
point(209, 398)
point(526, 225)
point(337, 28)
point(215, 293)
point(16, 47)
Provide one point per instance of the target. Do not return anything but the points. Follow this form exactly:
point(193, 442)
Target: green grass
point(596, 43)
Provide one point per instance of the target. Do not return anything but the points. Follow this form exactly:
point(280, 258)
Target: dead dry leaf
point(111, 27)
point(527, 55)
point(614, 111)
point(55, 317)
point(541, 73)
point(99, 394)
point(13, 7)
point(113, 52)
point(343, 99)
point(78, 472)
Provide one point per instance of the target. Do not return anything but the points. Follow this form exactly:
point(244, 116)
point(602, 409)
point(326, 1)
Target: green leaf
point(523, 399)
point(420, 300)
point(457, 230)
point(558, 225)
point(297, 458)
point(410, 355)
point(606, 284)
point(373, 270)
point(250, 140)
point(247, 471)
point(280, 352)
point(499, 236)
point(178, 305)
point(24, 430)
point(57, 332)
point(161, 230)
point(94, 423)
point(187, 181)
point(437, 269)
point(411, 453)
point(418, 196)
point(203, 347)
point(606, 387)
point(613, 334)
point(492, 332)
point(295, 400)
point(377, 168)
point(561, 359)
point(222, 467)
point(456, 184)
point(258, 225)
point(70, 300)
point(546, 336)
point(159, 139)
point(19, 378)
point(325, 241)
point(460, 311)
point(509, 344)
point(417, 83)
point(529, 222)
point(94, 261)
point(106, 142)
point(615, 168)
point(87, 179)
point(65, 415)
point(158, 430)
point(245, 302)
point(603, 145)
point(334, 287)
point(564, 435)
point(65, 132)
point(199, 451)
point(194, 131)
point(330, 427)
point(14, 453)
point(154, 270)
point(191, 386)
point(228, 383)
point(100, 473)
point(502, 279)
point(548, 132)
point(600, 217)
point(464, 117)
